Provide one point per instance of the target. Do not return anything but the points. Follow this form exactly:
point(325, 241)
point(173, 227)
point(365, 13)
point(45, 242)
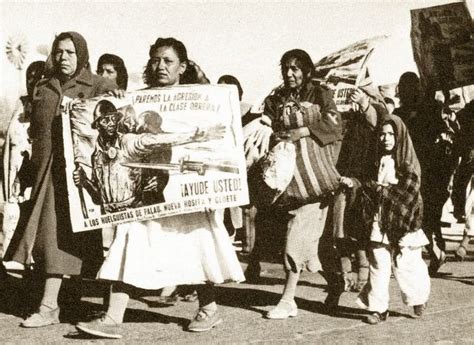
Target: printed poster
point(155, 153)
point(443, 45)
point(343, 70)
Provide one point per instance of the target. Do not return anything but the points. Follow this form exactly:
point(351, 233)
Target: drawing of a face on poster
point(149, 122)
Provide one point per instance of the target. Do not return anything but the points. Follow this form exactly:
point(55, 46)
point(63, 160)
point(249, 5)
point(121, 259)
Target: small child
point(394, 222)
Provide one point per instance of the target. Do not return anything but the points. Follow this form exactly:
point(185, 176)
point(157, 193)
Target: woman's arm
point(328, 125)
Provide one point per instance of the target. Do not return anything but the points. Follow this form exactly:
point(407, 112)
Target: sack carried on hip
point(271, 175)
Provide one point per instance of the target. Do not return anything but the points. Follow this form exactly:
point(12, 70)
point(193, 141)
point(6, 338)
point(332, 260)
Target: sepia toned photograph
point(237, 172)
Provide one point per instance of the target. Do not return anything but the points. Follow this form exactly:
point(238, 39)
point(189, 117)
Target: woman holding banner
point(302, 114)
point(46, 236)
point(177, 250)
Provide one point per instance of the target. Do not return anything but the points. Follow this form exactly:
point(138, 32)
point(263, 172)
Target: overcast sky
point(245, 39)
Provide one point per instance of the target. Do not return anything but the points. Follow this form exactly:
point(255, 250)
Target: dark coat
point(45, 234)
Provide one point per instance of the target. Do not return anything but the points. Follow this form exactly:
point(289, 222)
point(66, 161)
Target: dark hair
point(190, 76)
point(39, 68)
point(409, 89)
point(119, 65)
point(230, 79)
point(303, 61)
point(395, 133)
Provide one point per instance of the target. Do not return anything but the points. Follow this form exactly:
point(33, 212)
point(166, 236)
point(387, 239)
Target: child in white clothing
point(393, 224)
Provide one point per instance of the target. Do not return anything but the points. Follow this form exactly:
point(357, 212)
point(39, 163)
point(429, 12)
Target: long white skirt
point(179, 250)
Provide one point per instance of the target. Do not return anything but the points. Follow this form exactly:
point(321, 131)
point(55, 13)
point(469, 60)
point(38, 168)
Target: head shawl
point(404, 152)
point(81, 51)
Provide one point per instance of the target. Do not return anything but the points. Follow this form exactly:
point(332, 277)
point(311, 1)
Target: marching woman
point(392, 210)
point(47, 238)
point(302, 113)
point(189, 249)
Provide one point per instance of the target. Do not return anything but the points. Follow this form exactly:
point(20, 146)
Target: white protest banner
point(154, 153)
point(343, 70)
point(443, 45)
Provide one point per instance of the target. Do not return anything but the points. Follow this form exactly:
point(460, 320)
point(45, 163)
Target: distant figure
point(233, 217)
point(112, 67)
point(231, 80)
point(410, 95)
point(17, 145)
point(432, 127)
point(16, 156)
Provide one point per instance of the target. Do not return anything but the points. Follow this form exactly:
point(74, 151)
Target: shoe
point(103, 327)
point(204, 321)
point(419, 309)
point(283, 310)
point(42, 319)
point(376, 318)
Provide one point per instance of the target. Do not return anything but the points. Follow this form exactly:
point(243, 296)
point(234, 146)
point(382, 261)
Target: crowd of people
point(355, 191)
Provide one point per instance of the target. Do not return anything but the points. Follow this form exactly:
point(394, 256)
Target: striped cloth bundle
point(315, 174)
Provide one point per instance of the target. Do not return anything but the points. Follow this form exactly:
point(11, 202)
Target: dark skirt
point(44, 235)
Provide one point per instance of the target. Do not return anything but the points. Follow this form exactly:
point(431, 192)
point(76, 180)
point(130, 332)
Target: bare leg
point(51, 293)
point(118, 301)
point(48, 312)
point(108, 325)
point(287, 306)
point(290, 286)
